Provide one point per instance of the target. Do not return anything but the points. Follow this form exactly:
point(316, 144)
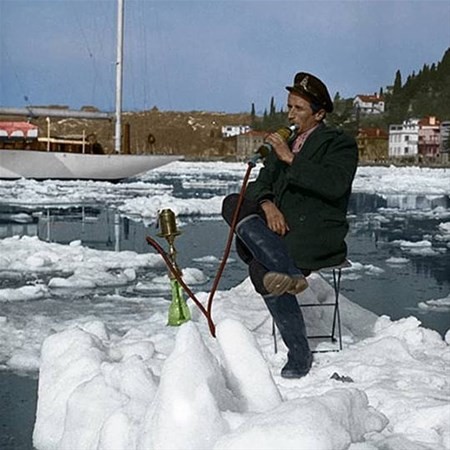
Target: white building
point(369, 104)
point(404, 139)
point(234, 130)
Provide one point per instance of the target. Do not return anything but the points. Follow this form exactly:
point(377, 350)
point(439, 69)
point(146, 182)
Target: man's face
point(301, 114)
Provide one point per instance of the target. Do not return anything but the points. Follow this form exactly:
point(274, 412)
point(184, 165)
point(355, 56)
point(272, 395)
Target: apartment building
point(429, 137)
point(404, 139)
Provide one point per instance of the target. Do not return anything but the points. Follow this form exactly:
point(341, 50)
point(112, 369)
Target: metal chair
point(336, 325)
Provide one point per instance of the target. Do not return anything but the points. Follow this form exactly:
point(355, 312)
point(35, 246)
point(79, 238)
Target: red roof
point(371, 98)
point(18, 129)
point(429, 121)
point(372, 133)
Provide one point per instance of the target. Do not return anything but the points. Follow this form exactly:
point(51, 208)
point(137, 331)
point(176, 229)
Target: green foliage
point(270, 121)
point(342, 115)
point(426, 93)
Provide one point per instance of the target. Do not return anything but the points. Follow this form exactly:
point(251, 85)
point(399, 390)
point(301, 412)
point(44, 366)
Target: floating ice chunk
point(24, 360)
point(23, 293)
point(440, 304)
point(444, 227)
point(207, 259)
point(410, 244)
point(89, 278)
point(190, 276)
point(149, 207)
point(422, 248)
point(396, 260)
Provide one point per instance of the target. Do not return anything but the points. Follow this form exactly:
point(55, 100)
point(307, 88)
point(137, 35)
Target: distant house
point(234, 130)
point(429, 137)
point(372, 144)
point(369, 104)
point(404, 139)
point(248, 143)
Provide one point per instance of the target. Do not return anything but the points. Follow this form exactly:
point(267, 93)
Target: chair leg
point(336, 315)
point(274, 334)
point(336, 326)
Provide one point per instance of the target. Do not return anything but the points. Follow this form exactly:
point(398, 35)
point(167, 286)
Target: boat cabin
point(25, 136)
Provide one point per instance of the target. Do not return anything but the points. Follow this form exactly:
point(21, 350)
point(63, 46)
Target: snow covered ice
point(117, 378)
point(98, 390)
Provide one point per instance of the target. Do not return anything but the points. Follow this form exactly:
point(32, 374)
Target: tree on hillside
point(397, 83)
point(271, 120)
point(272, 110)
point(253, 115)
point(343, 115)
point(426, 93)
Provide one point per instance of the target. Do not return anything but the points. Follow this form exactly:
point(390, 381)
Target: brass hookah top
point(169, 231)
point(168, 225)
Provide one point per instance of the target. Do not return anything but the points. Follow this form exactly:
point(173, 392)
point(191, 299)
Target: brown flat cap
point(313, 89)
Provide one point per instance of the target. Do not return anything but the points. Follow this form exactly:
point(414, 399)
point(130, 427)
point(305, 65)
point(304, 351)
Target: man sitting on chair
point(293, 217)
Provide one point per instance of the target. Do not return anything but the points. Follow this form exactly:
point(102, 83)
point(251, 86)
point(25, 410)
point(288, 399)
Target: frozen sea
point(75, 252)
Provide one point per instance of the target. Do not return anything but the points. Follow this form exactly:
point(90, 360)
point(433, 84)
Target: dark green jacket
point(313, 195)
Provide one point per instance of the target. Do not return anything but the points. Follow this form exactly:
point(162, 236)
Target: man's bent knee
point(229, 205)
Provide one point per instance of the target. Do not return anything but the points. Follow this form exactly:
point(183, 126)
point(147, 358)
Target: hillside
point(426, 93)
point(194, 134)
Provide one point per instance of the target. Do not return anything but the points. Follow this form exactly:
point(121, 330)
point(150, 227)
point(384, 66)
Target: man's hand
point(275, 218)
point(280, 148)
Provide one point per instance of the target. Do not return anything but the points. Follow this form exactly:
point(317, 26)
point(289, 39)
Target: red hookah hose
point(227, 250)
point(178, 277)
point(208, 311)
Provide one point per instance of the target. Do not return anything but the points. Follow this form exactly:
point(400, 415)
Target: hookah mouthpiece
point(263, 151)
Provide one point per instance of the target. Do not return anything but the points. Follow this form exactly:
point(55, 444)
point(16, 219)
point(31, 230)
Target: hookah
point(178, 310)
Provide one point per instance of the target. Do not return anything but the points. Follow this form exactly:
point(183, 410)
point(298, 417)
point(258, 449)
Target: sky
point(218, 55)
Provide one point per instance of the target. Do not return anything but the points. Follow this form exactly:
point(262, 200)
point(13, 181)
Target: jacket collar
point(317, 138)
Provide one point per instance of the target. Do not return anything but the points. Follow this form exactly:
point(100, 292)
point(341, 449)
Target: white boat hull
point(76, 166)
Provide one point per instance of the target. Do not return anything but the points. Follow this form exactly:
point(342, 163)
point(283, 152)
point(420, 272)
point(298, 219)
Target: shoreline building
point(429, 137)
point(248, 143)
point(404, 139)
point(372, 144)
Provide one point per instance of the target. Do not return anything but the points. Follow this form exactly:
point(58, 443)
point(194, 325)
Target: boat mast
point(119, 77)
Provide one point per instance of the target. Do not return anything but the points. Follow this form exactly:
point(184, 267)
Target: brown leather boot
point(279, 283)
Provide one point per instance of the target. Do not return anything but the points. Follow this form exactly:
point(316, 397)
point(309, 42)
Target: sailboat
point(79, 165)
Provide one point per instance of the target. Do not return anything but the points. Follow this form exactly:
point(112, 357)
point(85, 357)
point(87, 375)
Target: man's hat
point(313, 89)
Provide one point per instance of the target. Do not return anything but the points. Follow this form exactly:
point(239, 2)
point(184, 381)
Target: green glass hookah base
point(178, 310)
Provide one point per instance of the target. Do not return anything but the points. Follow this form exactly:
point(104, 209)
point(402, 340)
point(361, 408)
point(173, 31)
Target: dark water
point(18, 397)
point(376, 223)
